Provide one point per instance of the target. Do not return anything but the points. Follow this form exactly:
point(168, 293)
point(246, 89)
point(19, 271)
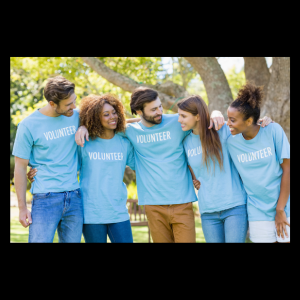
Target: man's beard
point(64, 113)
point(151, 119)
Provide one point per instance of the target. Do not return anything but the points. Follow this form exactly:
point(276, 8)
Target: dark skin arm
point(280, 218)
point(195, 181)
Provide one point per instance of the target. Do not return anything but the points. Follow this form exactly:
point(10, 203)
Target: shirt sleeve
point(130, 156)
point(227, 132)
point(282, 145)
point(23, 142)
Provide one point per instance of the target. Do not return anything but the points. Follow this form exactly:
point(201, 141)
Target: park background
point(216, 79)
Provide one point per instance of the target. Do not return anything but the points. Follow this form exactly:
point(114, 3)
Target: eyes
point(107, 114)
point(154, 109)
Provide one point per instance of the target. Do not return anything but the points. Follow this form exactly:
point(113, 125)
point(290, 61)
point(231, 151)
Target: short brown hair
point(91, 108)
point(140, 96)
point(58, 88)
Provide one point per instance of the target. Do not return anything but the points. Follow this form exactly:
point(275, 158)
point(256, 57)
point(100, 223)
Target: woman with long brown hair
point(221, 195)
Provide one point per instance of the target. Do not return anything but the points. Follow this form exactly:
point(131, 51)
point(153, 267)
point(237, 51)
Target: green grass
point(19, 234)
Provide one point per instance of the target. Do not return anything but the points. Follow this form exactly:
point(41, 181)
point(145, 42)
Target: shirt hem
point(96, 221)
point(20, 156)
point(55, 190)
point(222, 208)
point(165, 203)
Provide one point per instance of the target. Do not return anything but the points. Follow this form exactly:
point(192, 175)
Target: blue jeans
point(61, 211)
point(226, 226)
point(117, 232)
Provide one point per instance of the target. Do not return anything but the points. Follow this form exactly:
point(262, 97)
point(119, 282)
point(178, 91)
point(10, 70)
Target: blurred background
point(216, 79)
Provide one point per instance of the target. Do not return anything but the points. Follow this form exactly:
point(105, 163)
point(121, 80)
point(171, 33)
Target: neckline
point(38, 110)
point(254, 139)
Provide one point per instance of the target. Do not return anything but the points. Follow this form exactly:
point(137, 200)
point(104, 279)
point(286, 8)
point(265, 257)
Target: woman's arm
point(280, 218)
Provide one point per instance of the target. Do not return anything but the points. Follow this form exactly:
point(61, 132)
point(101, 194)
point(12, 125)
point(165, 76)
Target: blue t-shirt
point(102, 165)
point(49, 144)
point(162, 173)
point(258, 163)
point(219, 190)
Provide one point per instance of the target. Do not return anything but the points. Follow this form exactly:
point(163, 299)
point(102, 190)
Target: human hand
point(264, 121)
point(216, 119)
point(31, 174)
point(81, 133)
point(280, 223)
point(25, 214)
point(196, 184)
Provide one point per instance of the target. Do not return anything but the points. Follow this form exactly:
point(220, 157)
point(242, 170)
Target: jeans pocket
point(77, 193)
point(40, 196)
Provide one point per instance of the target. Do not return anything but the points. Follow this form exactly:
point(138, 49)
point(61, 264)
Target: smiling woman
point(108, 109)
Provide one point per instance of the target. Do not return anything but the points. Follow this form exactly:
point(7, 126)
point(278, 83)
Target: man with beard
point(45, 141)
point(163, 179)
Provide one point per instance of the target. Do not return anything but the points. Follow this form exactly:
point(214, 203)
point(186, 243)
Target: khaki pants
point(171, 223)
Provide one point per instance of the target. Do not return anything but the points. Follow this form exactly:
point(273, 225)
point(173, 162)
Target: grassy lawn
point(19, 234)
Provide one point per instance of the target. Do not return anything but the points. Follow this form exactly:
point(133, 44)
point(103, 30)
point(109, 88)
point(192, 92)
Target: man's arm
point(20, 185)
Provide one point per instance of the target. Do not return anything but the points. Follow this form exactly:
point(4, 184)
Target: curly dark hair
point(91, 108)
point(249, 100)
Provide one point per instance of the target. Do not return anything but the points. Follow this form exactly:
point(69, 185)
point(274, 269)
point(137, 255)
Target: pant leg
point(159, 223)
point(183, 223)
point(46, 211)
point(120, 232)
point(213, 227)
point(95, 233)
point(69, 228)
point(235, 224)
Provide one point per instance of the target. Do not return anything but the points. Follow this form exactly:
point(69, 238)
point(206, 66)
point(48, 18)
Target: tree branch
point(216, 85)
point(168, 92)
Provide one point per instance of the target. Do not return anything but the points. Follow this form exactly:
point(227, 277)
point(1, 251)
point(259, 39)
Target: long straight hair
point(210, 140)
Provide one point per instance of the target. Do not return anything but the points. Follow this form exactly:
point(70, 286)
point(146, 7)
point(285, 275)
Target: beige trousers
point(171, 223)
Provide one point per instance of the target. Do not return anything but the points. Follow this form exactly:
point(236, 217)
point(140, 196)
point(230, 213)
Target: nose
point(73, 106)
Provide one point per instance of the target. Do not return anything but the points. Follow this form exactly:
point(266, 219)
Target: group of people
point(240, 168)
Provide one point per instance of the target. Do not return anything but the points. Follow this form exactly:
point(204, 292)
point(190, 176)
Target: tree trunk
point(256, 70)
point(277, 103)
point(216, 85)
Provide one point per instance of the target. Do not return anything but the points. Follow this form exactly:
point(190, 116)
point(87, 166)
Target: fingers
point(29, 217)
point(218, 122)
point(285, 231)
point(211, 124)
point(265, 121)
point(23, 222)
point(87, 136)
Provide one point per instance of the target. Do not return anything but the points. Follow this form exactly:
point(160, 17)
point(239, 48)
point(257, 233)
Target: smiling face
point(187, 120)
point(109, 117)
point(65, 107)
point(152, 112)
point(236, 121)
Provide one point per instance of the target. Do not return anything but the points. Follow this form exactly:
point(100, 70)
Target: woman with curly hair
point(102, 163)
point(262, 158)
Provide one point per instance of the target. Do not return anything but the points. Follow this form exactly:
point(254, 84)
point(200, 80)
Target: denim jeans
point(61, 211)
point(226, 226)
point(117, 232)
